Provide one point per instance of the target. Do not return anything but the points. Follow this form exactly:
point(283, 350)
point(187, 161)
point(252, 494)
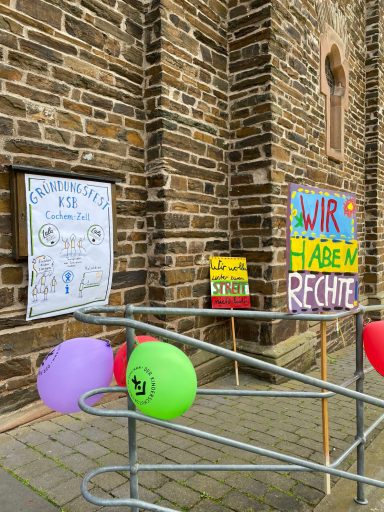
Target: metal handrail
point(88, 315)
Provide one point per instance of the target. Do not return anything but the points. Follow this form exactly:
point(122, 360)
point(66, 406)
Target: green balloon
point(161, 380)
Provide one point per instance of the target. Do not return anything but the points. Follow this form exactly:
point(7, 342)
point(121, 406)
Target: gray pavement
point(16, 496)
point(340, 499)
point(52, 456)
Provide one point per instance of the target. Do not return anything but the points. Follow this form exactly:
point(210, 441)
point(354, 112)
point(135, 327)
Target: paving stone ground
point(52, 456)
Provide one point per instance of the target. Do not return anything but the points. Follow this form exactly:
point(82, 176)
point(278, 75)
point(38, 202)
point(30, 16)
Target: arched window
point(334, 73)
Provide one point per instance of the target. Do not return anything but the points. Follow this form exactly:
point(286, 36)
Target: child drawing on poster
point(42, 272)
point(70, 244)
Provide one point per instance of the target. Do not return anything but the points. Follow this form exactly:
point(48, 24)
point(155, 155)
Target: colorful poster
point(70, 244)
point(229, 283)
point(322, 250)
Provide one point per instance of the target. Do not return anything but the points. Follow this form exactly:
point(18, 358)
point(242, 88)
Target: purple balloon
point(73, 368)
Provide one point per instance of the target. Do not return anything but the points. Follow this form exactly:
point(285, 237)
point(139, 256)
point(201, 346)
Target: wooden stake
point(324, 404)
point(235, 350)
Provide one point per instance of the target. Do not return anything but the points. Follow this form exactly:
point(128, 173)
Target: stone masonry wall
point(251, 107)
point(70, 99)
point(298, 123)
point(374, 207)
point(278, 136)
point(186, 99)
point(206, 110)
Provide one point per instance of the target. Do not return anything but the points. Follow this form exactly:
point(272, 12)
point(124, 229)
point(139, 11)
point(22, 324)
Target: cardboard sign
point(322, 250)
point(229, 283)
point(70, 244)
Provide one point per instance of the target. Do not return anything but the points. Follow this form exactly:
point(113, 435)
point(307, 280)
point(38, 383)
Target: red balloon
point(373, 337)
point(120, 362)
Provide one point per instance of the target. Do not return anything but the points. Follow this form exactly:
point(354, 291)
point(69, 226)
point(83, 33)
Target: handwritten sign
point(322, 250)
point(70, 244)
point(229, 283)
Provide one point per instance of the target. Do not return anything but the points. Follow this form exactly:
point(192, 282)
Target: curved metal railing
point(291, 463)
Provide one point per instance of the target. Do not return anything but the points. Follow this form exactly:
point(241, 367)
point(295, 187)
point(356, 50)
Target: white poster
point(70, 244)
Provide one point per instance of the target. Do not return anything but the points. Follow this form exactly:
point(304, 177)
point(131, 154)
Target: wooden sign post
point(324, 405)
point(322, 264)
point(229, 289)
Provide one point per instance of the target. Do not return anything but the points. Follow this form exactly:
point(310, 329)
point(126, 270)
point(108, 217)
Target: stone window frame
point(334, 48)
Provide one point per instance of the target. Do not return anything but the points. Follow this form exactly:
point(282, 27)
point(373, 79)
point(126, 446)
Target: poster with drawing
point(229, 282)
point(70, 244)
point(322, 250)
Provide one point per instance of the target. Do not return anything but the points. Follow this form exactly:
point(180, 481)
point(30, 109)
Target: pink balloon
point(373, 337)
point(73, 368)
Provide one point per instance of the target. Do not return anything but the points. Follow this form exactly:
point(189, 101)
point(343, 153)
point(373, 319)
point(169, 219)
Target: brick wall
point(299, 120)
point(70, 99)
point(187, 103)
point(277, 120)
point(206, 110)
point(374, 219)
point(251, 105)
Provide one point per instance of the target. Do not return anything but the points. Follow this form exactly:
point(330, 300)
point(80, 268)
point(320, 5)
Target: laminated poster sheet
point(70, 244)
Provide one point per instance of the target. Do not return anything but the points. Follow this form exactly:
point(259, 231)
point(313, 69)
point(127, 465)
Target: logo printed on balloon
point(144, 384)
point(139, 386)
point(161, 380)
point(45, 365)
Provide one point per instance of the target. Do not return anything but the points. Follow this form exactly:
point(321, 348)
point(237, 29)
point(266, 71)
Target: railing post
point(132, 441)
point(360, 495)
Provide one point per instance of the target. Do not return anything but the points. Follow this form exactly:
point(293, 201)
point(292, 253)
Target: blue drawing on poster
point(68, 276)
